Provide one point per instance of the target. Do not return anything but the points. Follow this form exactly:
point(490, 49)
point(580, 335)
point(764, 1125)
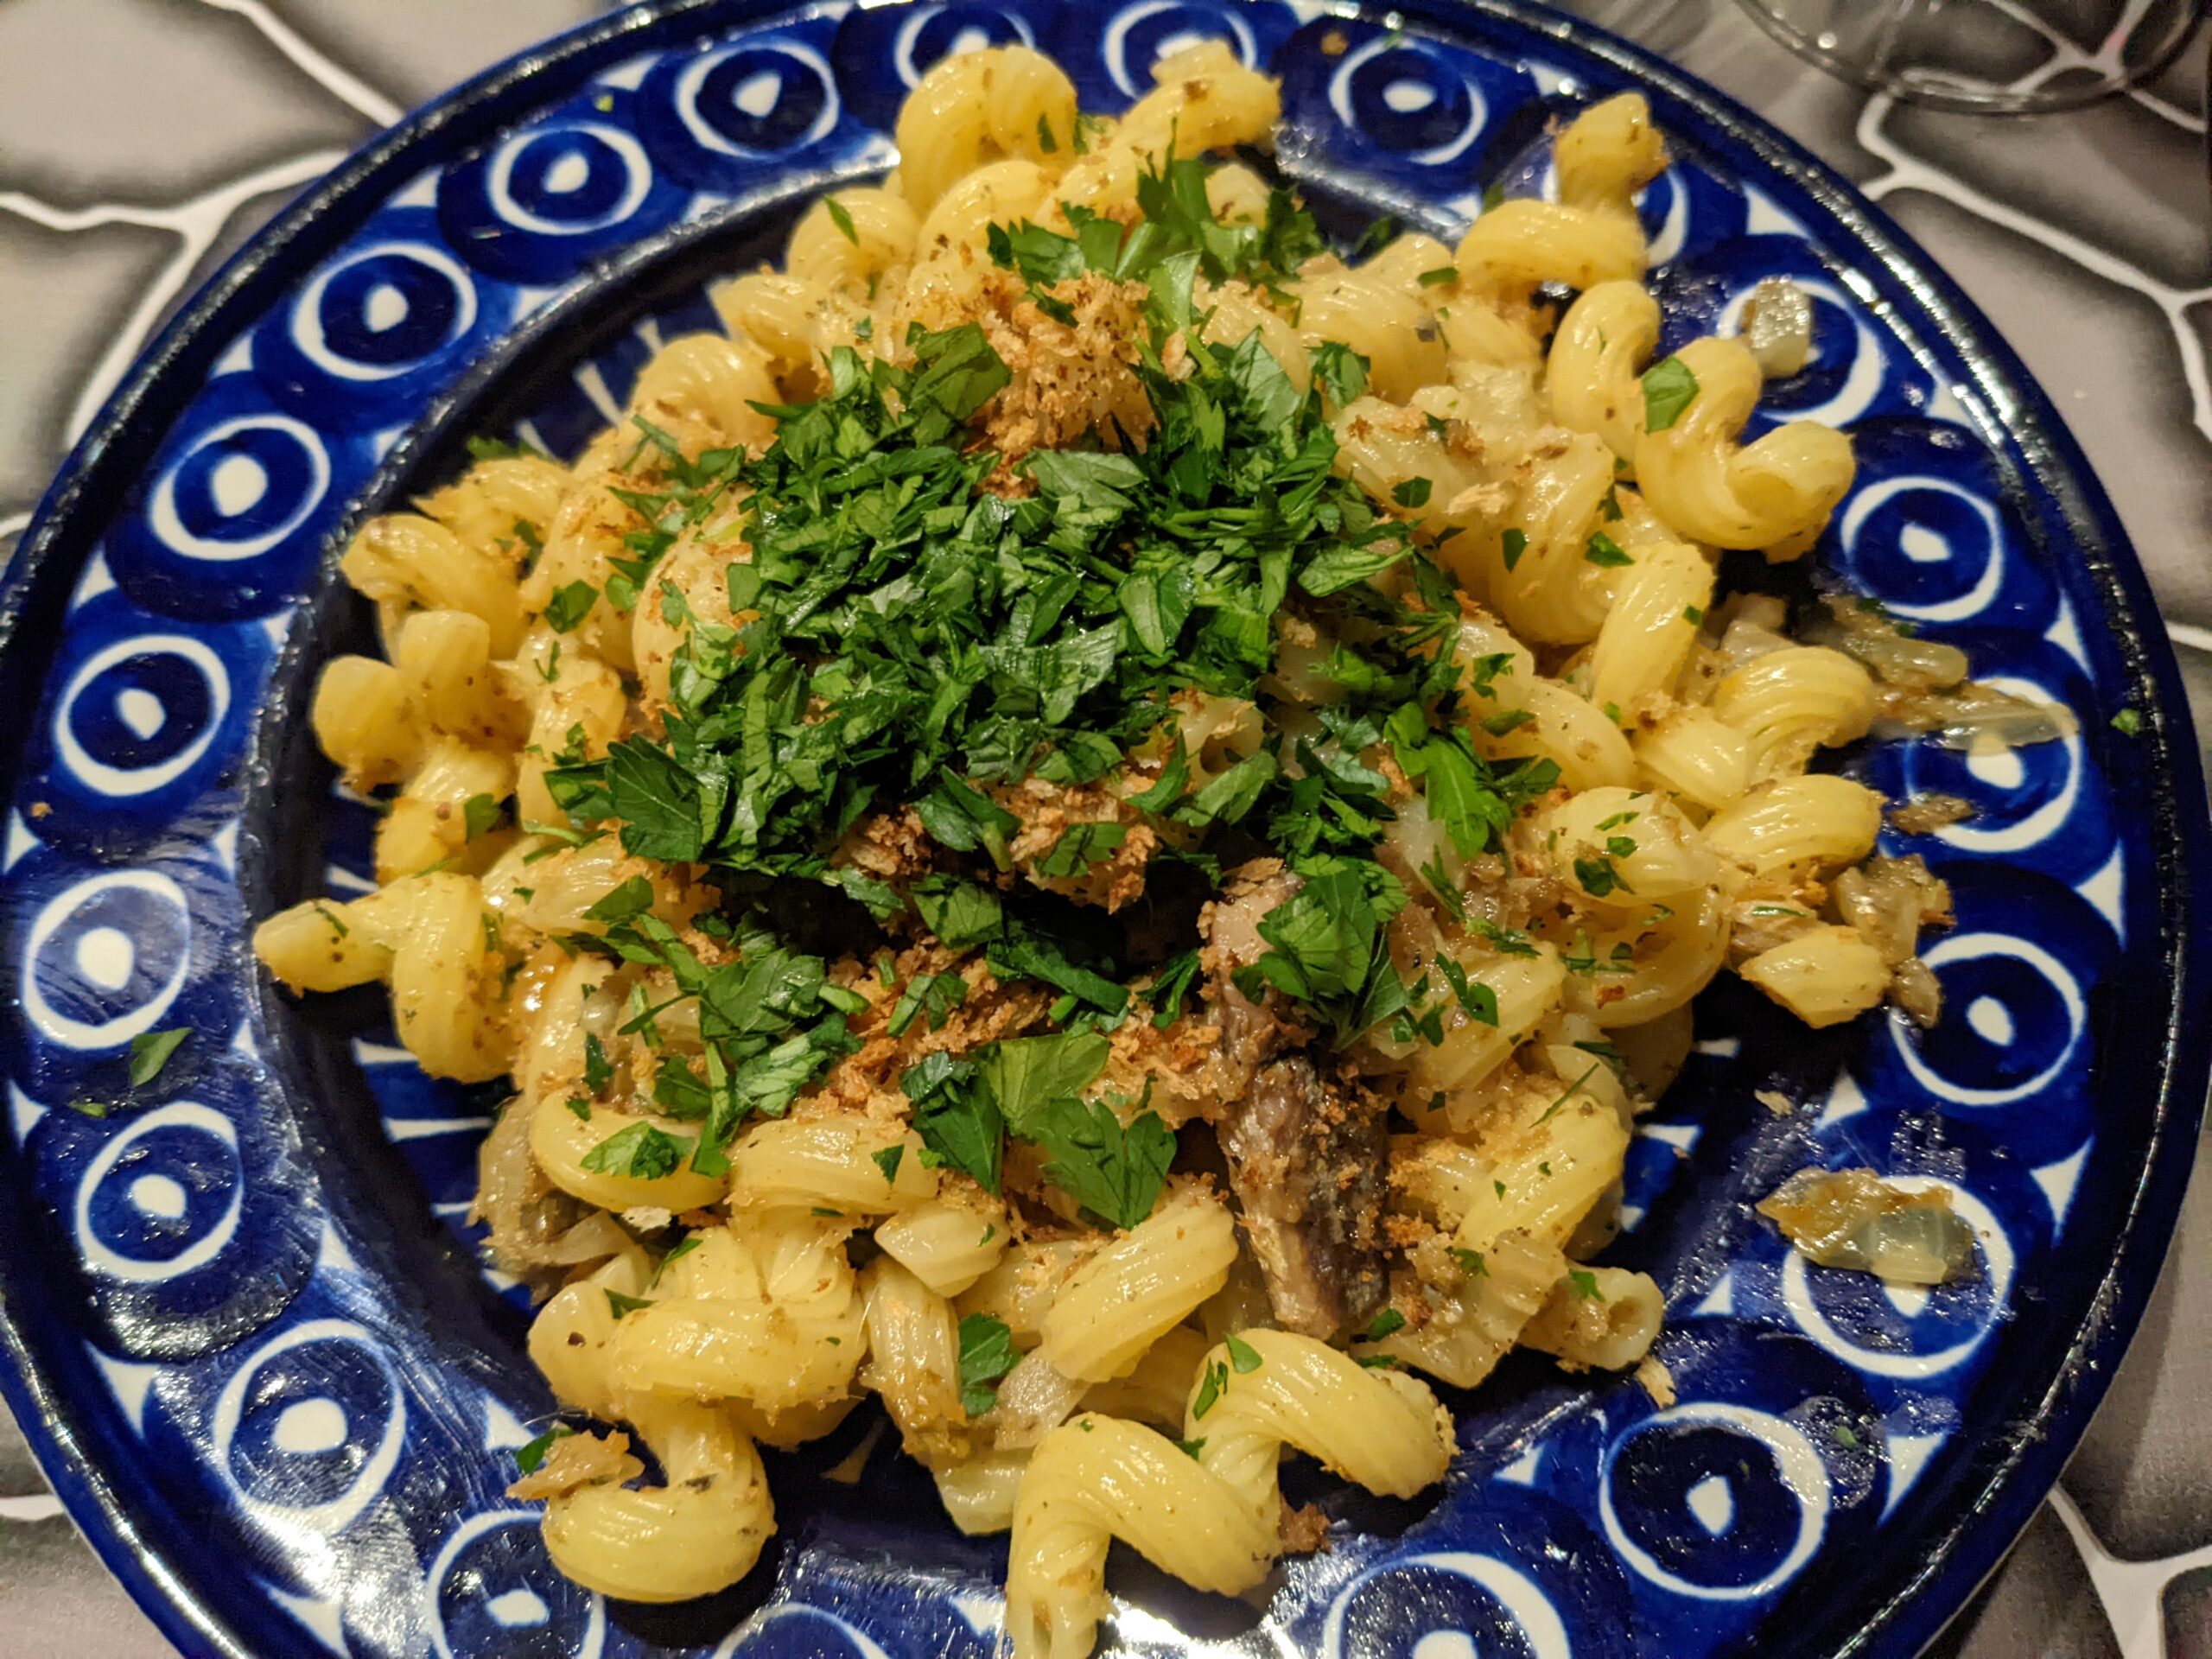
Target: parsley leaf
point(150, 1052)
point(986, 1353)
point(1384, 1323)
point(1340, 371)
point(1114, 1172)
point(569, 606)
point(1170, 986)
point(1669, 387)
point(1081, 846)
point(478, 815)
point(957, 1118)
point(1606, 553)
point(642, 1152)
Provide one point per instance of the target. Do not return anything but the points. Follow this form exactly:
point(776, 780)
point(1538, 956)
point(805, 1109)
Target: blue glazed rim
point(1904, 1601)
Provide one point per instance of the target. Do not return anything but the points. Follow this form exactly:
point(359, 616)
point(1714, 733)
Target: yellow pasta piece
point(1825, 976)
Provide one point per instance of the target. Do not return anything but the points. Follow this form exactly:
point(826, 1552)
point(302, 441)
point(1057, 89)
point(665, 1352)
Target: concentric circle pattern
point(293, 1414)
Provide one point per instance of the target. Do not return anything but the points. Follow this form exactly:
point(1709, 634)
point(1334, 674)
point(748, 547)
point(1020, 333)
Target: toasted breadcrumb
point(1658, 1381)
point(1069, 379)
point(1304, 1530)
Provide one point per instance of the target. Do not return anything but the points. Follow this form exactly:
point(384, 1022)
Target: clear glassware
point(2024, 56)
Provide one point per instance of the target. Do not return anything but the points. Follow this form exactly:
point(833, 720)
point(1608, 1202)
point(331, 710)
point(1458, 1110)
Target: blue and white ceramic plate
point(247, 1330)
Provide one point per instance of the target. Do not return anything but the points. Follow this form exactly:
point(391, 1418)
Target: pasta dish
point(1097, 823)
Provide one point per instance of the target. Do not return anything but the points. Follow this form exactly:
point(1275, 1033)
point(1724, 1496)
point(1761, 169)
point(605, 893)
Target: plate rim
point(1908, 1601)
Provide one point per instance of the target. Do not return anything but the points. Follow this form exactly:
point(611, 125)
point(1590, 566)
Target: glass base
point(1985, 56)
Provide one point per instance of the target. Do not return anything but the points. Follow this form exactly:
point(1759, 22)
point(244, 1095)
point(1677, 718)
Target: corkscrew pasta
point(769, 792)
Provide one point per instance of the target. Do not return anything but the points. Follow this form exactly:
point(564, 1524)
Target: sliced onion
point(1755, 630)
point(1779, 326)
point(1853, 1218)
point(1863, 629)
point(1889, 901)
point(1914, 989)
point(1034, 1401)
point(594, 1238)
point(527, 1214)
point(1976, 718)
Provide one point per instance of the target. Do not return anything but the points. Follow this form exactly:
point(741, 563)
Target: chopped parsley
point(481, 447)
point(1081, 846)
point(1385, 1323)
point(530, 1458)
point(150, 1052)
point(1213, 1383)
point(1605, 552)
point(1172, 984)
point(1669, 388)
point(907, 645)
point(641, 1151)
point(929, 997)
point(479, 815)
point(569, 606)
point(986, 1353)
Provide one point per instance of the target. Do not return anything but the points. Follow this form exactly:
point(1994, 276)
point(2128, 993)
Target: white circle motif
point(594, 1636)
point(103, 1258)
point(78, 1034)
point(569, 174)
point(1802, 1471)
point(142, 712)
point(308, 1428)
point(1674, 232)
point(160, 1196)
point(1991, 1021)
point(1975, 599)
point(1436, 155)
point(162, 516)
point(2047, 820)
point(919, 17)
point(139, 780)
point(1973, 947)
point(104, 956)
point(1860, 387)
point(333, 1515)
point(1114, 48)
point(307, 310)
point(695, 75)
point(1522, 1599)
point(237, 484)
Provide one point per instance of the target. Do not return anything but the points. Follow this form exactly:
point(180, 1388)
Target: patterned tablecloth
point(141, 141)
